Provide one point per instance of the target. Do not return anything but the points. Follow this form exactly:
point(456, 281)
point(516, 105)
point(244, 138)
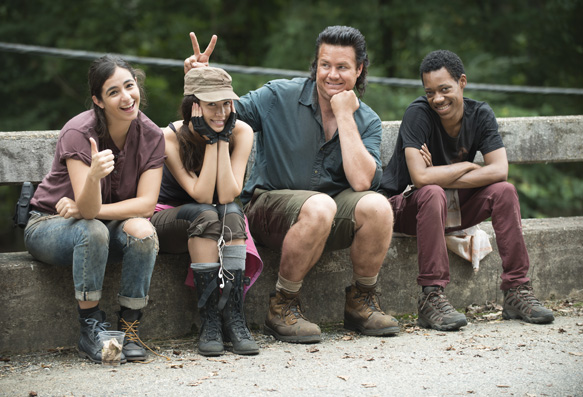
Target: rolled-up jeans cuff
point(90, 296)
point(133, 303)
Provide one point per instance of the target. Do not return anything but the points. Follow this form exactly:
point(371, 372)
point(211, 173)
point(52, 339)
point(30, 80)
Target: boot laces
point(212, 327)
point(240, 328)
point(370, 298)
point(131, 335)
point(439, 301)
point(294, 306)
point(238, 323)
point(525, 295)
point(96, 325)
point(131, 330)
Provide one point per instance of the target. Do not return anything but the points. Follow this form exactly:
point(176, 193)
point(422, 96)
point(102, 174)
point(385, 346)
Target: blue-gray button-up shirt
point(291, 149)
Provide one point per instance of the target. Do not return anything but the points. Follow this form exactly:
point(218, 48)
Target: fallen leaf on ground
point(218, 361)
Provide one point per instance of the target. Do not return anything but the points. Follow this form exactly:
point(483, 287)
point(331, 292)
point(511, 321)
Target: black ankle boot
point(89, 345)
point(128, 322)
point(210, 342)
point(234, 325)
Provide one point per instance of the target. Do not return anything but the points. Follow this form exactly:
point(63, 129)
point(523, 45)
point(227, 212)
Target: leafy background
point(518, 42)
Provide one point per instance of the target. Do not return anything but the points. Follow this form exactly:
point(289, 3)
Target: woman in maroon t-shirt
point(92, 207)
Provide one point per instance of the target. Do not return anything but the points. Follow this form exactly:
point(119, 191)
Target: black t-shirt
point(421, 124)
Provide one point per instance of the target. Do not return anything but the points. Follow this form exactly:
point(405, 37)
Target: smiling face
point(445, 95)
point(215, 114)
point(120, 97)
point(336, 70)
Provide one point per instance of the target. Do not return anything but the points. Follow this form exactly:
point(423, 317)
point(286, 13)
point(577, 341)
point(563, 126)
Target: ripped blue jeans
point(88, 246)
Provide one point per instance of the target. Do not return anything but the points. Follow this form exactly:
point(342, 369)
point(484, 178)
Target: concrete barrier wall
point(28, 155)
point(38, 309)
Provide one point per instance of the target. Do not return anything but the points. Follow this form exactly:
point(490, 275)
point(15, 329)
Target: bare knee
point(138, 227)
point(374, 209)
point(319, 211)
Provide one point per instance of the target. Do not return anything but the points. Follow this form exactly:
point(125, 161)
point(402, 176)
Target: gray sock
point(234, 257)
point(204, 266)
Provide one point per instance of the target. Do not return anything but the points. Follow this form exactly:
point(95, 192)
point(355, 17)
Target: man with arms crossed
point(438, 139)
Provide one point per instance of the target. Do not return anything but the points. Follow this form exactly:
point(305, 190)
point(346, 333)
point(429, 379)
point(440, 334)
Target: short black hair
point(344, 36)
point(438, 59)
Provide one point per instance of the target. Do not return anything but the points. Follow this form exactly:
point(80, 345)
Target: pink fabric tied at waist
point(253, 262)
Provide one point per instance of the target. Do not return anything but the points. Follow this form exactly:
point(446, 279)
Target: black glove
point(226, 133)
point(204, 130)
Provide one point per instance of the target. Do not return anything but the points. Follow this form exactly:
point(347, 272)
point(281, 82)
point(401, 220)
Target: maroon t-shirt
point(144, 150)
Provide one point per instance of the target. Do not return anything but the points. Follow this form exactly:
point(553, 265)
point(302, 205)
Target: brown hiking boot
point(363, 313)
point(286, 322)
point(520, 302)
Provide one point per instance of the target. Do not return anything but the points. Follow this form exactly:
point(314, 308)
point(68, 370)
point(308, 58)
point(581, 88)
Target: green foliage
point(547, 190)
point(536, 43)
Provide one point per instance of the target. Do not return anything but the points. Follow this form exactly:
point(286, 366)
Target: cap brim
point(217, 95)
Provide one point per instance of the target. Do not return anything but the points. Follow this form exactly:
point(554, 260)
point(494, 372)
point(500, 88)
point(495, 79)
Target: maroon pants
point(424, 212)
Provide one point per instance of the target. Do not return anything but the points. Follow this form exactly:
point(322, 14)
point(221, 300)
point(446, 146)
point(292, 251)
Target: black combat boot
point(129, 322)
point(234, 325)
point(89, 345)
point(210, 341)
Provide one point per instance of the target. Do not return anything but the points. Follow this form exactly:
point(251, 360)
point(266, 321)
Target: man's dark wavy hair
point(438, 59)
point(344, 36)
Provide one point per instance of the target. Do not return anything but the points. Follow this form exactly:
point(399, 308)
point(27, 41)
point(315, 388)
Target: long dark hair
point(192, 146)
point(102, 69)
point(345, 36)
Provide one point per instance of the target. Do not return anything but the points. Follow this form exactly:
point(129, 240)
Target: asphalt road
point(485, 358)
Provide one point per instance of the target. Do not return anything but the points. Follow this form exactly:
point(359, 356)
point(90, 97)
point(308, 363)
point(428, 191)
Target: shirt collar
point(309, 96)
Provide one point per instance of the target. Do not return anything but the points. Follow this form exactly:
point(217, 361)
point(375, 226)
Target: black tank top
point(171, 192)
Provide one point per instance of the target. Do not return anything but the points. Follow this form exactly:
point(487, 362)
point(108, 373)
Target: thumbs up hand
point(102, 163)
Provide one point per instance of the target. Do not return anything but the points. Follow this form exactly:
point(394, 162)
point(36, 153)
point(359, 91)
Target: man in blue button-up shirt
point(312, 185)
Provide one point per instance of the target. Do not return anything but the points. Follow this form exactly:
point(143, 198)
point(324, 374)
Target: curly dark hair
point(344, 36)
point(192, 146)
point(102, 69)
point(438, 59)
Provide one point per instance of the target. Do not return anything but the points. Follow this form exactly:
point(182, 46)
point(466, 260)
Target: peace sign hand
point(199, 60)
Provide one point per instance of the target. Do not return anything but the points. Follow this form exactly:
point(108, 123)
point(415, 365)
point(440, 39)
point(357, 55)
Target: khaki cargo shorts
point(272, 213)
